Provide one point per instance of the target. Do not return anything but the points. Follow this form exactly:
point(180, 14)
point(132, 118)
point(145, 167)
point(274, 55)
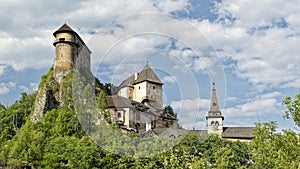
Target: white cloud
point(5, 87)
point(2, 68)
point(260, 105)
point(255, 14)
point(29, 89)
point(191, 112)
point(26, 34)
point(169, 79)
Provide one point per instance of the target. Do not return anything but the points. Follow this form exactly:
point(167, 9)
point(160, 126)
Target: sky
point(248, 48)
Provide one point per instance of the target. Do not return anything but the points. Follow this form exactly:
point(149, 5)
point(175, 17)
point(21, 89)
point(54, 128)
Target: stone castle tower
point(70, 52)
point(144, 87)
point(214, 118)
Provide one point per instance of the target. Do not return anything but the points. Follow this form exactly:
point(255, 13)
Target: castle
point(137, 104)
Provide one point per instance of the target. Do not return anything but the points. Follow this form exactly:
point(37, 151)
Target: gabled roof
point(147, 74)
point(116, 101)
point(238, 132)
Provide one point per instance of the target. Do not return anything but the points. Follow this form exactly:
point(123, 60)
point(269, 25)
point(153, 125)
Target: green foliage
point(168, 109)
point(293, 108)
point(275, 150)
point(60, 139)
point(12, 118)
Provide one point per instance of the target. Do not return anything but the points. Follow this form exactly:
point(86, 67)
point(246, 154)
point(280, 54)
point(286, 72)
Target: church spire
point(214, 118)
point(214, 106)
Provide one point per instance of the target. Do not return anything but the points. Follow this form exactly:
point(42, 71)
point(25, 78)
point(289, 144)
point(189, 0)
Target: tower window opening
point(61, 39)
point(212, 123)
point(153, 87)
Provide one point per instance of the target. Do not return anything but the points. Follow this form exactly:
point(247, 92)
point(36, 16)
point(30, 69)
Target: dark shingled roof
point(147, 74)
point(126, 83)
point(165, 132)
point(64, 28)
point(116, 101)
point(238, 132)
point(67, 29)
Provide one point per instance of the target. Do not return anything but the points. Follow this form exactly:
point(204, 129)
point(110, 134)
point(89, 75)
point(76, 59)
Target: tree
point(168, 109)
point(102, 106)
point(293, 108)
point(275, 150)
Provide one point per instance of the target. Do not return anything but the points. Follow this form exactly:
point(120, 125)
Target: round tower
point(65, 51)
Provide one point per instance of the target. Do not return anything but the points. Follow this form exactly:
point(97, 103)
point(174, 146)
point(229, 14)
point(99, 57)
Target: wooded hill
point(59, 140)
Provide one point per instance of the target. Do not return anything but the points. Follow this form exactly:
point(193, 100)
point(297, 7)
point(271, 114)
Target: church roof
point(147, 74)
point(214, 106)
point(214, 110)
point(165, 132)
point(238, 132)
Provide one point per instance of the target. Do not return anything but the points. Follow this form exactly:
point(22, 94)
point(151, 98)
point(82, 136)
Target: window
point(139, 87)
point(212, 123)
point(119, 114)
point(153, 87)
point(61, 39)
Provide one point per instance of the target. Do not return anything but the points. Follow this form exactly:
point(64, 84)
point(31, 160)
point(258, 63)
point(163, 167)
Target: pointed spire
point(214, 106)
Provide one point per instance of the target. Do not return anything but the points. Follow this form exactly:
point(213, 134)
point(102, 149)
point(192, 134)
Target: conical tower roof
point(214, 106)
point(64, 28)
point(147, 74)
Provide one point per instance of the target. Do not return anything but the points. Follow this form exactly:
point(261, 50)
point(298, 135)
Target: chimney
point(135, 76)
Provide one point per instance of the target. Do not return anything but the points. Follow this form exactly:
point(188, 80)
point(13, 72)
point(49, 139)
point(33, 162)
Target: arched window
point(212, 123)
point(217, 123)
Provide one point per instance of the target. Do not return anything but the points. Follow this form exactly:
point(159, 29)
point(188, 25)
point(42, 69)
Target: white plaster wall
point(140, 91)
point(123, 92)
point(210, 128)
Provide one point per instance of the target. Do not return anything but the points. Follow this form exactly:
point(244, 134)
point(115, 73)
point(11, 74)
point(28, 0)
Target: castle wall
point(139, 91)
point(154, 91)
point(71, 53)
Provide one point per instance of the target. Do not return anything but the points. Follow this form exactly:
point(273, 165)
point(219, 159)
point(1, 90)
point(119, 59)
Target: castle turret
point(70, 52)
point(148, 88)
point(214, 118)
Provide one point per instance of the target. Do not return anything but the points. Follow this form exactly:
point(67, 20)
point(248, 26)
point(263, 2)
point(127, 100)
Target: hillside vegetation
point(58, 140)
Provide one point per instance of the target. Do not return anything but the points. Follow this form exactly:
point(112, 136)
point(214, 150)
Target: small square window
point(153, 87)
point(119, 114)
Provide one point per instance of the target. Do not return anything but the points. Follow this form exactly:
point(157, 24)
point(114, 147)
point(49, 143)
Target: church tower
point(214, 118)
point(70, 52)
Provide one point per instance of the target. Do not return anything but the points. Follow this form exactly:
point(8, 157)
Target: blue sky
point(250, 49)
